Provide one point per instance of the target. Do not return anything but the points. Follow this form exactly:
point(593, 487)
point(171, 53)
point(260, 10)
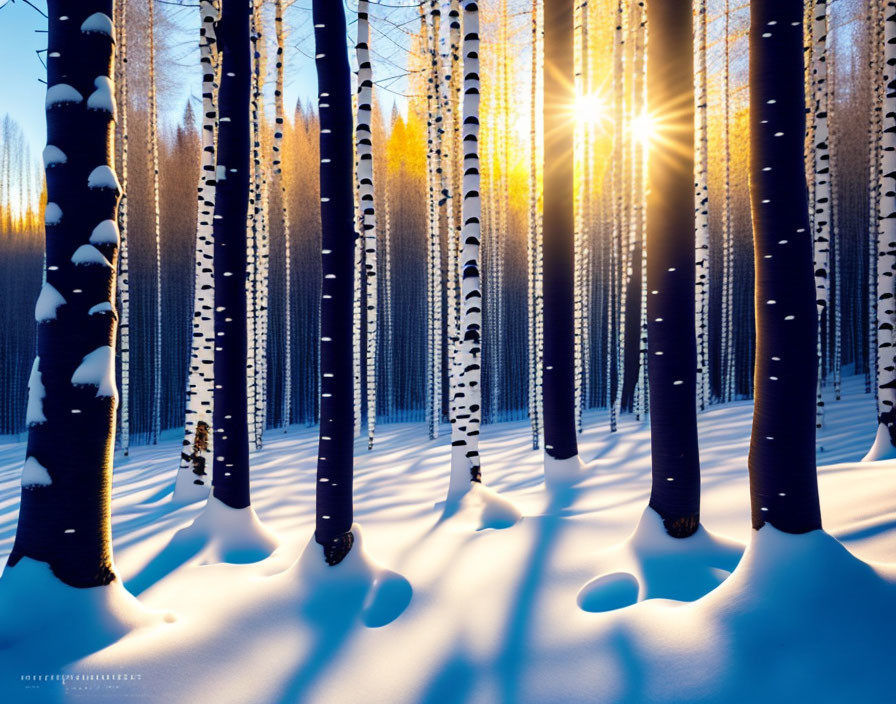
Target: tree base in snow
point(481, 508)
point(36, 607)
point(225, 534)
point(186, 490)
point(652, 564)
point(358, 584)
point(562, 474)
point(882, 449)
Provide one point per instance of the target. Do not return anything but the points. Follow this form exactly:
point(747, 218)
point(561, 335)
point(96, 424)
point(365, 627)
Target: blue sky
point(22, 93)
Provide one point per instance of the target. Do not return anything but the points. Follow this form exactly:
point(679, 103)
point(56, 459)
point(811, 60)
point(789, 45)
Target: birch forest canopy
point(411, 363)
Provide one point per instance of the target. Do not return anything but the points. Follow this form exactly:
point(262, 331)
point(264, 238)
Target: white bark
point(701, 207)
point(153, 138)
point(124, 306)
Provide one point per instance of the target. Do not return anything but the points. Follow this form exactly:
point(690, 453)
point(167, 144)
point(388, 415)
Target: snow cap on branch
point(98, 369)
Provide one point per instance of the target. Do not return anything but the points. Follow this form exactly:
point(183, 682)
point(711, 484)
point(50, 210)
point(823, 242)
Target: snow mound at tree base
point(480, 508)
point(651, 564)
point(800, 619)
point(41, 613)
point(224, 534)
point(562, 474)
point(357, 585)
point(882, 448)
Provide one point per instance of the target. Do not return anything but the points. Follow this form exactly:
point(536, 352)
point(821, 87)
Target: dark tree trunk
point(64, 514)
point(559, 366)
point(783, 483)
point(671, 334)
point(335, 452)
point(230, 417)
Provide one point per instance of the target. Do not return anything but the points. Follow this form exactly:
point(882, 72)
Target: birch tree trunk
point(124, 326)
point(885, 443)
point(783, 484)
point(364, 146)
point(822, 187)
point(465, 461)
point(153, 139)
point(64, 515)
point(874, 128)
point(534, 241)
point(335, 453)
point(727, 333)
point(451, 193)
point(701, 209)
point(230, 417)
point(675, 458)
point(559, 256)
point(193, 479)
point(280, 184)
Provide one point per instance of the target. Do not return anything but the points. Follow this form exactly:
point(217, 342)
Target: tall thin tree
point(675, 459)
point(783, 482)
point(153, 141)
point(559, 258)
point(335, 454)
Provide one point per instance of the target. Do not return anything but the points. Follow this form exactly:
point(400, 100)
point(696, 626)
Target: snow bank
point(659, 566)
point(36, 394)
point(224, 534)
point(43, 618)
point(559, 474)
point(35, 474)
point(105, 233)
point(358, 584)
point(88, 254)
point(48, 303)
point(61, 94)
point(881, 448)
point(481, 508)
point(98, 369)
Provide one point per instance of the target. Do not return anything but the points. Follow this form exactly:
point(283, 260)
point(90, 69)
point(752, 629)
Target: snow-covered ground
point(489, 615)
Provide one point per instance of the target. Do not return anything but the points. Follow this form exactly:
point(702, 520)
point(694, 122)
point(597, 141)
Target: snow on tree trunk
point(335, 454)
point(280, 184)
point(534, 239)
point(783, 483)
point(675, 458)
point(885, 443)
point(701, 208)
point(465, 462)
point(822, 185)
point(559, 256)
point(230, 417)
point(193, 479)
point(64, 515)
point(364, 146)
point(124, 327)
point(153, 139)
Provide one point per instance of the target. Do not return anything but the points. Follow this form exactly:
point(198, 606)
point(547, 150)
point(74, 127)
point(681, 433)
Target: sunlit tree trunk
point(675, 458)
point(616, 359)
point(559, 256)
point(64, 515)
point(451, 192)
point(534, 248)
point(822, 186)
point(153, 139)
point(280, 184)
point(783, 484)
point(874, 127)
point(193, 478)
point(701, 208)
point(364, 147)
point(465, 461)
point(836, 352)
point(124, 295)
point(726, 368)
point(335, 453)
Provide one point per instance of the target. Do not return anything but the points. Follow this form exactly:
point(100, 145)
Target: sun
point(591, 109)
point(643, 128)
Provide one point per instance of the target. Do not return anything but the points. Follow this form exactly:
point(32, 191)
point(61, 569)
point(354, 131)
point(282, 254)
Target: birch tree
point(153, 141)
point(560, 443)
point(783, 483)
point(534, 248)
point(280, 184)
point(885, 443)
point(64, 515)
point(701, 207)
point(675, 458)
point(335, 453)
point(193, 479)
point(124, 296)
point(368, 234)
